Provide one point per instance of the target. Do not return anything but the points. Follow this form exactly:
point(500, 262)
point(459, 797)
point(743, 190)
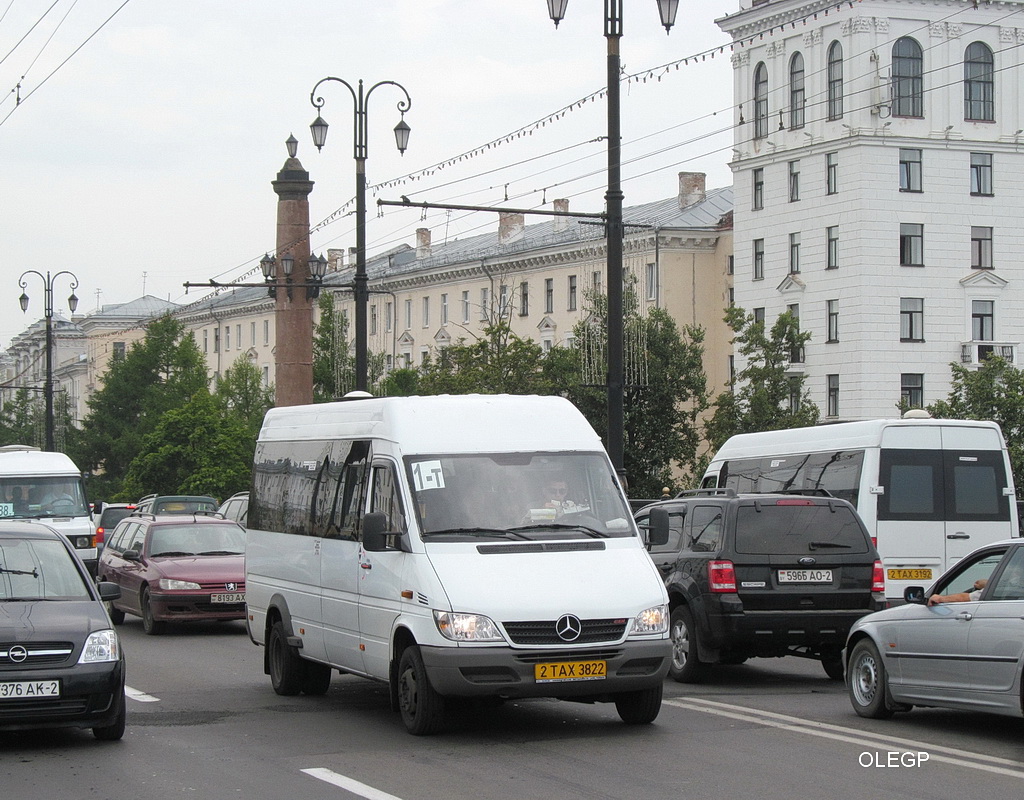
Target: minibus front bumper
point(512, 672)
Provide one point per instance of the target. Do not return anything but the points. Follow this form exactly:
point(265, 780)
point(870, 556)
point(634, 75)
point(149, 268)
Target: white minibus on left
point(47, 487)
point(453, 547)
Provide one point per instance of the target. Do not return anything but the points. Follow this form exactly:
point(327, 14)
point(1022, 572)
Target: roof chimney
point(691, 188)
point(510, 227)
point(352, 256)
point(561, 223)
point(335, 259)
point(422, 243)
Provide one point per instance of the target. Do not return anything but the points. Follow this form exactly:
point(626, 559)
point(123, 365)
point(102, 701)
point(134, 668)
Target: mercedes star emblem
point(568, 628)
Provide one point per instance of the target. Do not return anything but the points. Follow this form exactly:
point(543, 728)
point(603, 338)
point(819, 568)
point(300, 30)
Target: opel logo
point(807, 561)
point(231, 586)
point(568, 628)
point(17, 654)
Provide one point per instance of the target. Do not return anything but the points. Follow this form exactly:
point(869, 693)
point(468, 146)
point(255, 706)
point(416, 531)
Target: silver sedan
point(958, 645)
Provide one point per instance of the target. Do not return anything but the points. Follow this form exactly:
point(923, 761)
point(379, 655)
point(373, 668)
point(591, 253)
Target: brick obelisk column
point(293, 359)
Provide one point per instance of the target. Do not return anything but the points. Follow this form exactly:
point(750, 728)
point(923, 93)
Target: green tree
point(334, 364)
point(21, 420)
point(767, 398)
point(664, 395)
point(995, 391)
point(240, 393)
point(193, 449)
point(161, 372)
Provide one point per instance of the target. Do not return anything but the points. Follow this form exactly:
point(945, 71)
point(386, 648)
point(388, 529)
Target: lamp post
point(613, 207)
point(359, 130)
point(48, 280)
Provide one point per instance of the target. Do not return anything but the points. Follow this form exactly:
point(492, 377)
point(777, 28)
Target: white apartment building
point(876, 152)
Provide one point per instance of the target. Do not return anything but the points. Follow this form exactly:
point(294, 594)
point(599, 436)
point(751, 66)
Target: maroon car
point(176, 568)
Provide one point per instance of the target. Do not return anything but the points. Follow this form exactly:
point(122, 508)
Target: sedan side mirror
point(130, 555)
point(914, 594)
point(109, 591)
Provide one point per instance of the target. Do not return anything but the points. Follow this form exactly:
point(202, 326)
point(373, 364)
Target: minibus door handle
point(958, 535)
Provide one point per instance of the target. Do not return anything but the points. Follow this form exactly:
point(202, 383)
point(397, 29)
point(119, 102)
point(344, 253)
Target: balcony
point(974, 354)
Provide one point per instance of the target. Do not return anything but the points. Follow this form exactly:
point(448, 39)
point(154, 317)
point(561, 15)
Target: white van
point(47, 487)
point(929, 490)
point(413, 540)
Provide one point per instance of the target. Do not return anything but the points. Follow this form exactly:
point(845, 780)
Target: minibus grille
point(545, 632)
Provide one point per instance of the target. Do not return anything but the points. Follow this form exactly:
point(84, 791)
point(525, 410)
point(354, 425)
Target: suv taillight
point(721, 576)
point(100, 534)
point(878, 578)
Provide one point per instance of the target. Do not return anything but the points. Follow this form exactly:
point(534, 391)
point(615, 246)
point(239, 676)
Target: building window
point(206, 341)
point(652, 281)
point(758, 199)
point(730, 265)
point(373, 320)
point(227, 338)
point(484, 303)
point(252, 333)
point(760, 101)
point(831, 173)
point(388, 316)
point(503, 301)
point(426, 312)
point(835, 81)
point(907, 79)
point(983, 320)
point(572, 293)
point(759, 316)
point(911, 245)
point(444, 309)
point(216, 339)
point(910, 170)
point(118, 349)
point(981, 247)
point(408, 314)
point(981, 174)
point(797, 98)
point(758, 259)
point(794, 181)
point(832, 309)
point(266, 375)
point(549, 295)
point(794, 253)
point(979, 83)
point(238, 336)
point(266, 331)
point(595, 281)
point(832, 247)
point(833, 395)
point(731, 297)
point(796, 353)
point(465, 306)
point(794, 395)
point(524, 299)
point(912, 389)
point(911, 319)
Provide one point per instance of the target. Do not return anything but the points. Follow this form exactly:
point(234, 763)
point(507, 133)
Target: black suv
point(762, 575)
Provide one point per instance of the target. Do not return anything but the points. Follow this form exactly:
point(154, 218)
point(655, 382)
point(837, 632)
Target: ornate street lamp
point(48, 281)
point(319, 132)
point(613, 207)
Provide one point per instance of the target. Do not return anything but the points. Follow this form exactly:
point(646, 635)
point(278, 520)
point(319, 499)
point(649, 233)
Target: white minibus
point(474, 547)
point(47, 487)
point(929, 490)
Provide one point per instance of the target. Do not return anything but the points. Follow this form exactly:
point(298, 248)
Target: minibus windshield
point(518, 496)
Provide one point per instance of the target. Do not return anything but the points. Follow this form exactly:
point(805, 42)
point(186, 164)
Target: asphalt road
point(203, 722)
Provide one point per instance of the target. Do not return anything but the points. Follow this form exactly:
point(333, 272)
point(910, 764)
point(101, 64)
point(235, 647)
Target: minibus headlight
point(466, 627)
point(652, 620)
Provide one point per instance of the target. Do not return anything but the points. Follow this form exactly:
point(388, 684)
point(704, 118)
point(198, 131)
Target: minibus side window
point(350, 491)
point(385, 497)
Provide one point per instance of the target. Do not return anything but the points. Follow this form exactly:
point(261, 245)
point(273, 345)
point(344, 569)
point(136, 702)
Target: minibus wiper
point(33, 573)
point(557, 526)
point(477, 532)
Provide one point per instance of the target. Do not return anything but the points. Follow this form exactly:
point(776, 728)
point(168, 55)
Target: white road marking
point(824, 730)
point(349, 784)
point(142, 697)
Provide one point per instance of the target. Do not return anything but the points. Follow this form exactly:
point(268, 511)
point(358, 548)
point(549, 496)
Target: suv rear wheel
point(686, 666)
point(833, 664)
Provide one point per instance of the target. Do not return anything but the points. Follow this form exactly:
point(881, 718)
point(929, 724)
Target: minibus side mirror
point(375, 527)
point(657, 527)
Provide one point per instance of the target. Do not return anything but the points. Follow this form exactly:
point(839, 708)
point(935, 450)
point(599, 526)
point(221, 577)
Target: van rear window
point(797, 530)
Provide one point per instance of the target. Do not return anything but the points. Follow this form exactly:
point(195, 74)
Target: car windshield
point(196, 540)
point(34, 497)
point(518, 496)
point(39, 569)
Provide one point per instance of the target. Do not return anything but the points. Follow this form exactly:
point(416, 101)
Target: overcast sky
point(145, 159)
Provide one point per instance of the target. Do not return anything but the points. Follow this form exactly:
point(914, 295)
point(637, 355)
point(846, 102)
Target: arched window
point(760, 101)
point(835, 81)
point(979, 83)
point(797, 97)
point(907, 81)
